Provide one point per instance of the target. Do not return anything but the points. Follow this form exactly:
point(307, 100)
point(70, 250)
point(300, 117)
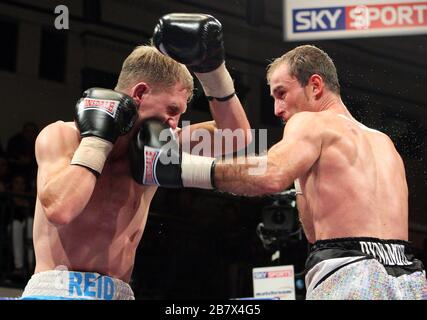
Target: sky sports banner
point(335, 19)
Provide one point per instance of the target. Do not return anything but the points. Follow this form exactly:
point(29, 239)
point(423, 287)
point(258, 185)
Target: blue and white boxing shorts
point(364, 269)
point(73, 285)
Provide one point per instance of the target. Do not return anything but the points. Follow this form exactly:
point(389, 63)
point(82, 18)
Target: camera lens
point(278, 217)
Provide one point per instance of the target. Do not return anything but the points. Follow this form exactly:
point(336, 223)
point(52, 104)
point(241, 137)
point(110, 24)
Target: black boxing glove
point(101, 115)
point(191, 39)
point(196, 40)
point(155, 159)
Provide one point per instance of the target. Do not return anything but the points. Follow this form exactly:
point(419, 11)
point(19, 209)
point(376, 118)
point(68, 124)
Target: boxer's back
point(358, 186)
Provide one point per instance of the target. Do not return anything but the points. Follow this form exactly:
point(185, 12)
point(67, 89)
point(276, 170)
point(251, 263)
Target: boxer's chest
point(117, 193)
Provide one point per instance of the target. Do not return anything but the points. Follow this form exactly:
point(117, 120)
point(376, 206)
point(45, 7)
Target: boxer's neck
point(120, 148)
point(332, 102)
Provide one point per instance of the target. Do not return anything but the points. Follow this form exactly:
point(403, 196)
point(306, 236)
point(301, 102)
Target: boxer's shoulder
point(372, 134)
point(304, 120)
point(60, 127)
point(336, 126)
point(59, 132)
point(306, 124)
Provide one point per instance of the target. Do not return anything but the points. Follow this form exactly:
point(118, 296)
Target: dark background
point(201, 244)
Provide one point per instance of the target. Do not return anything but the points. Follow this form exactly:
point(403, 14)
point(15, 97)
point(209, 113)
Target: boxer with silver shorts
point(352, 194)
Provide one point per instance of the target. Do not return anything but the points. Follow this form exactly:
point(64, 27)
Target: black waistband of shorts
point(396, 255)
point(354, 243)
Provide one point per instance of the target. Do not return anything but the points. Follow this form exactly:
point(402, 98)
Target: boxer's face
point(288, 94)
point(165, 104)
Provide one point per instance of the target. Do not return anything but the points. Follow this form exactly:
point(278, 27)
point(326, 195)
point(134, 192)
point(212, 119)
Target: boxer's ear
point(317, 85)
point(139, 90)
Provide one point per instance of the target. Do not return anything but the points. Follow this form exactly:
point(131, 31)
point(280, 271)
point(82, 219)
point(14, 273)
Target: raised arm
point(196, 40)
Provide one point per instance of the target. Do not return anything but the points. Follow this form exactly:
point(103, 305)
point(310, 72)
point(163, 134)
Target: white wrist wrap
point(196, 171)
point(92, 153)
point(217, 83)
point(298, 189)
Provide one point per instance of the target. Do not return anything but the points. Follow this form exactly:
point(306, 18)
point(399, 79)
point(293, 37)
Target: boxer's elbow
point(57, 215)
point(227, 141)
point(242, 139)
point(310, 238)
point(56, 212)
point(248, 137)
point(274, 182)
point(271, 187)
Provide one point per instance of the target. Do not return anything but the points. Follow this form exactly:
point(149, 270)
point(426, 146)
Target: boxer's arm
point(63, 189)
point(196, 40)
point(229, 132)
point(228, 112)
point(292, 157)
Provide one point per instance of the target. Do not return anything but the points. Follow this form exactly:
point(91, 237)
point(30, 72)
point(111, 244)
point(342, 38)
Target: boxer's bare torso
point(357, 186)
point(103, 238)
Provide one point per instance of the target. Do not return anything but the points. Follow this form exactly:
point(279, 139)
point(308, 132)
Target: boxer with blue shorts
point(72, 285)
point(90, 213)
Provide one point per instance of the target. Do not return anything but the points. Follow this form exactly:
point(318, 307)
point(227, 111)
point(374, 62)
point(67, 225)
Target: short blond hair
point(303, 62)
point(148, 64)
